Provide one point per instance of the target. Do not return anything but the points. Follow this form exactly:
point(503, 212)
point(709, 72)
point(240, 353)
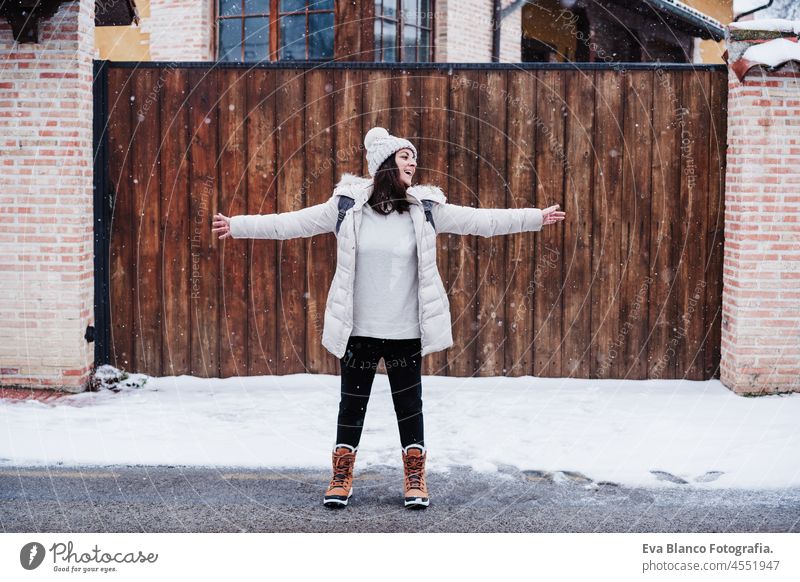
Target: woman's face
point(406, 164)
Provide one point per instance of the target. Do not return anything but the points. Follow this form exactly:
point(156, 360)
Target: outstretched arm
point(487, 222)
point(305, 222)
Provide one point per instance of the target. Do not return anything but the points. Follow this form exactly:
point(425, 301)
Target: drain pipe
point(496, 22)
point(756, 9)
point(498, 14)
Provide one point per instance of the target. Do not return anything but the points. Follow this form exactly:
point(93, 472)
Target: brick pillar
point(453, 19)
point(181, 30)
point(46, 245)
point(761, 295)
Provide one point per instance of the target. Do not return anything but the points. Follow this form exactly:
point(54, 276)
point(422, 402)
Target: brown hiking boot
point(341, 486)
point(416, 491)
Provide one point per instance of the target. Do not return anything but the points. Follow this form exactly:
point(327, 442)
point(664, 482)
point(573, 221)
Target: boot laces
point(415, 477)
point(341, 470)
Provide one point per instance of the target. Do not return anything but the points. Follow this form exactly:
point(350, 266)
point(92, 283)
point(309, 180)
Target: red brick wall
point(761, 297)
point(46, 246)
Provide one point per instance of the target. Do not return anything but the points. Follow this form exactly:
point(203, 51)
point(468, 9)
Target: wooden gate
point(629, 286)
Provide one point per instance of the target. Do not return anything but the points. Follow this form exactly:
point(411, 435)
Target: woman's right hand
point(552, 215)
point(222, 225)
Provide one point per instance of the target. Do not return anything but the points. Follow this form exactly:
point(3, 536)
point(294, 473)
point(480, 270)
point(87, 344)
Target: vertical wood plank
point(606, 216)
point(317, 188)
point(664, 224)
point(693, 193)
point(377, 100)
point(522, 284)
point(233, 265)
point(262, 282)
point(461, 281)
point(578, 165)
point(635, 231)
point(548, 309)
point(405, 105)
point(291, 137)
point(491, 283)
point(203, 196)
point(349, 134)
point(122, 283)
point(177, 266)
point(146, 196)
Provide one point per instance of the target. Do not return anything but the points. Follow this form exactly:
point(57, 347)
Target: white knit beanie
point(380, 145)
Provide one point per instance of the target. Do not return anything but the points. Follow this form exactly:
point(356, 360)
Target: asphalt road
point(217, 499)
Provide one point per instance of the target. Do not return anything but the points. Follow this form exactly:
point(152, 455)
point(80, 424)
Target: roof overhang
point(24, 15)
point(115, 13)
point(688, 19)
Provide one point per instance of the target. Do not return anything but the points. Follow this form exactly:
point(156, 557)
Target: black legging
point(403, 367)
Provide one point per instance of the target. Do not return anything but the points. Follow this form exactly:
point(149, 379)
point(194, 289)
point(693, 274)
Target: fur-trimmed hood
point(360, 189)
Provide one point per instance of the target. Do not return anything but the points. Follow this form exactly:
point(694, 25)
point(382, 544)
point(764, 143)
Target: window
point(300, 30)
point(536, 51)
point(403, 30)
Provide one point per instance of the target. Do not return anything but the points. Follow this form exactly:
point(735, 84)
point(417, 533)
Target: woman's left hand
point(552, 214)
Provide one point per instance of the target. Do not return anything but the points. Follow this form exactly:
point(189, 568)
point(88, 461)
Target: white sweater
point(386, 302)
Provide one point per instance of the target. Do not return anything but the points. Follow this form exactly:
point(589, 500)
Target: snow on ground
point(609, 430)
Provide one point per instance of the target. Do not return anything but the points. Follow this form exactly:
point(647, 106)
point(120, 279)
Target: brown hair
point(388, 191)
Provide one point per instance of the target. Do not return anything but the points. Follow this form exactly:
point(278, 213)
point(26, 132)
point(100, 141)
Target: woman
point(386, 298)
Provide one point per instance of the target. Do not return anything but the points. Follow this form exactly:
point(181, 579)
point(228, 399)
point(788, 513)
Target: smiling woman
point(394, 174)
point(387, 299)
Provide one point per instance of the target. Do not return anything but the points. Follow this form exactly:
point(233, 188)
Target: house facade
point(420, 31)
point(253, 30)
point(625, 31)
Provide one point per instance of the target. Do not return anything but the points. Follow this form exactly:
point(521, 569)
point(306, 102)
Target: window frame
point(274, 30)
point(398, 41)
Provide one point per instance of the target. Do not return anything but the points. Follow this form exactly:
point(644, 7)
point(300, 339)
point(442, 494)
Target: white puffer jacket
point(434, 316)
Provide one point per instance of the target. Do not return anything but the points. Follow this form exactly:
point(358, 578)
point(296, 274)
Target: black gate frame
point(103, 211)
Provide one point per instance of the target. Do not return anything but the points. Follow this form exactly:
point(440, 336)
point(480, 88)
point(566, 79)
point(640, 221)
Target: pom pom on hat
point(380, 145)
point(374, 134)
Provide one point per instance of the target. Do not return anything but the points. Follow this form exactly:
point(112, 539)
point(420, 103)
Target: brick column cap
point(767, 42)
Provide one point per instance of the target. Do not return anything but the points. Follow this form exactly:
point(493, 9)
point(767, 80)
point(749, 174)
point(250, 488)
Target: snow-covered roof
point(740, 6)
